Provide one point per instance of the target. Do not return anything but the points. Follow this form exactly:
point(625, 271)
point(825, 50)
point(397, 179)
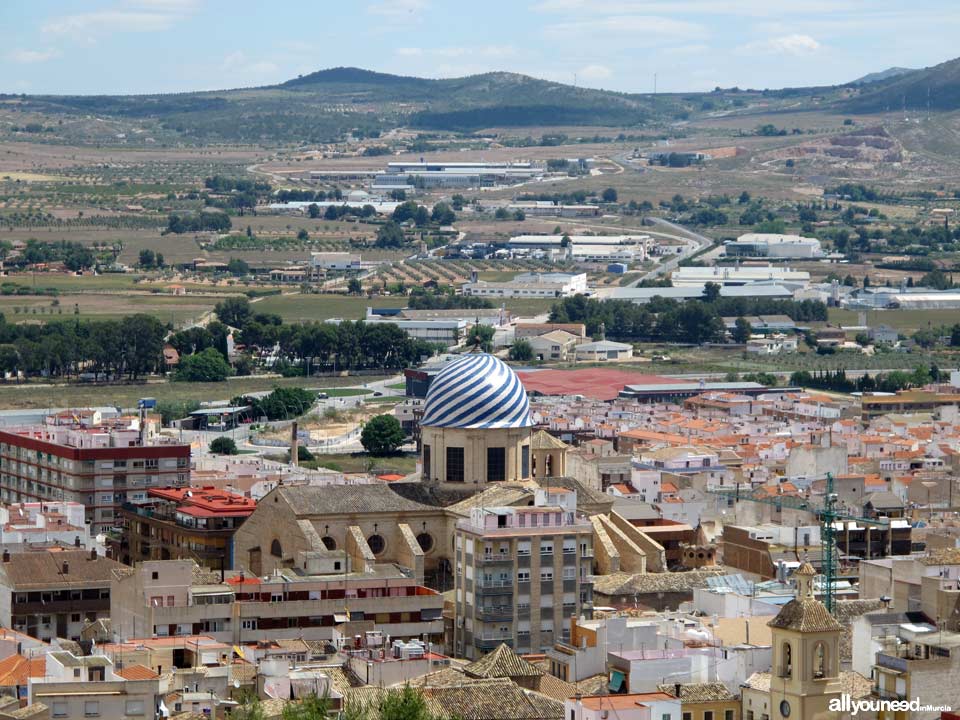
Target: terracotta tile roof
point(502, 662)
point(703, 692)
point(17, 670)
point(137, 672)
point(805, 616)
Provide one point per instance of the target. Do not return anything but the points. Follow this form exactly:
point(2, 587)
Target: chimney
point(748, 631)
point(294, 444)
point(76, 541)
point(676, 688)
point(93, 553)
point(6, 556)
point(66, 568)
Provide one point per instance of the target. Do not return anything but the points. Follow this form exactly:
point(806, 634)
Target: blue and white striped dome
point(477, 391)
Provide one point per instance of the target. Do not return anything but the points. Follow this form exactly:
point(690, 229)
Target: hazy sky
point(134, 46)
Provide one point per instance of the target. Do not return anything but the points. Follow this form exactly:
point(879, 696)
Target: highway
point(698, 243)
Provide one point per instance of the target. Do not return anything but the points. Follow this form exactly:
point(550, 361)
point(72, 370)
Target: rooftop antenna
point(654, 84)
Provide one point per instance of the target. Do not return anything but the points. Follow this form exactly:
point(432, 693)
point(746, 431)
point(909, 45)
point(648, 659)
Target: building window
point(426, 461)
point(377, 544)
point(820, 660)
point(60, 710)
point(276, 549)
point(687, 716)
point(328, 542)
point(708, 715)
point(496, 464)
point(728, 715)
point(134, 707)
point(786, 662)
point(91, 708)
point(525, 461)
point(425, 541)
point(455, 464)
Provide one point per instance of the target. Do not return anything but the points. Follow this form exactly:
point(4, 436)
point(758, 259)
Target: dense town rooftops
point(64, 569)
point(205, 502)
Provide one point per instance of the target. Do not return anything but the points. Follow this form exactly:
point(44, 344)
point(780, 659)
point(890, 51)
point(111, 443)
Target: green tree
point(313, 210)
point(711, 292)
point(501, 214)
point(742, 330)
point(955, 336)
point(303, 454)
point(390, 235)
point(354, 287)
point(147, 259)
point(521, 350)
point(206, 366)
point(309, 708)
point(609, 195)
point(405, 704)
point(443, 214)
point(9, 359)
point(382, 435)
point(233, 311)
point(281, 404)
point(223, 446)
point(481, 336)
point(238, 267)
point(303, 235)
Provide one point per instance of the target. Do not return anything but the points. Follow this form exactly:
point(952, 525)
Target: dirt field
point(126, 396)
point(33, 308)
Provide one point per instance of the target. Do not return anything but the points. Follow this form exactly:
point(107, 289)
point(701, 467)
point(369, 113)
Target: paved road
point(697, 242)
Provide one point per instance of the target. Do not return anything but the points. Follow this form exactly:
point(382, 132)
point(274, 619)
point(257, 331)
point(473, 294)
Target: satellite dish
point(236, 683)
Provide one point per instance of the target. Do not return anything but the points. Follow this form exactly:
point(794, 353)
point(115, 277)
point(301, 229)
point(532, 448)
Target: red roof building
point(184, 523)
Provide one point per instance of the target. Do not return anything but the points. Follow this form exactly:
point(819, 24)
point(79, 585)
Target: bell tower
point(805, 675)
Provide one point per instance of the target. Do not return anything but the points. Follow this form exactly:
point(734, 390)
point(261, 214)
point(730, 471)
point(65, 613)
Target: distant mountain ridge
point(891, 72)
point(323, 106)
point(936, 88)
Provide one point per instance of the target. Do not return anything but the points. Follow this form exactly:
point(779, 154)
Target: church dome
point(477, 391)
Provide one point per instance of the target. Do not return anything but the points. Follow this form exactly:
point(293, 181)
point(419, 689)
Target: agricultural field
point(295, 307)
point(177, 311)
point(125, 395)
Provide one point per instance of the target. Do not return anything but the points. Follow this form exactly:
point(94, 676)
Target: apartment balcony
point(495, 587)
point(495, 559)
point(493, 614)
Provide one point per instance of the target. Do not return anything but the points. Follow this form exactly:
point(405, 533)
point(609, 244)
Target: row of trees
point(837, 380)
point(692, 321)
point(317, 345)
point(198, 222)
point(131, 347)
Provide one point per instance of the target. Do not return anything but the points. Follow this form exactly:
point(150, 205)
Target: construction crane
point(827, 514)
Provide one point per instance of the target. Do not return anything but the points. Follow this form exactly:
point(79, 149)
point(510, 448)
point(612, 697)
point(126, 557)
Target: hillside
point(938, 86)
point(882, 75)
point(323, 105)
